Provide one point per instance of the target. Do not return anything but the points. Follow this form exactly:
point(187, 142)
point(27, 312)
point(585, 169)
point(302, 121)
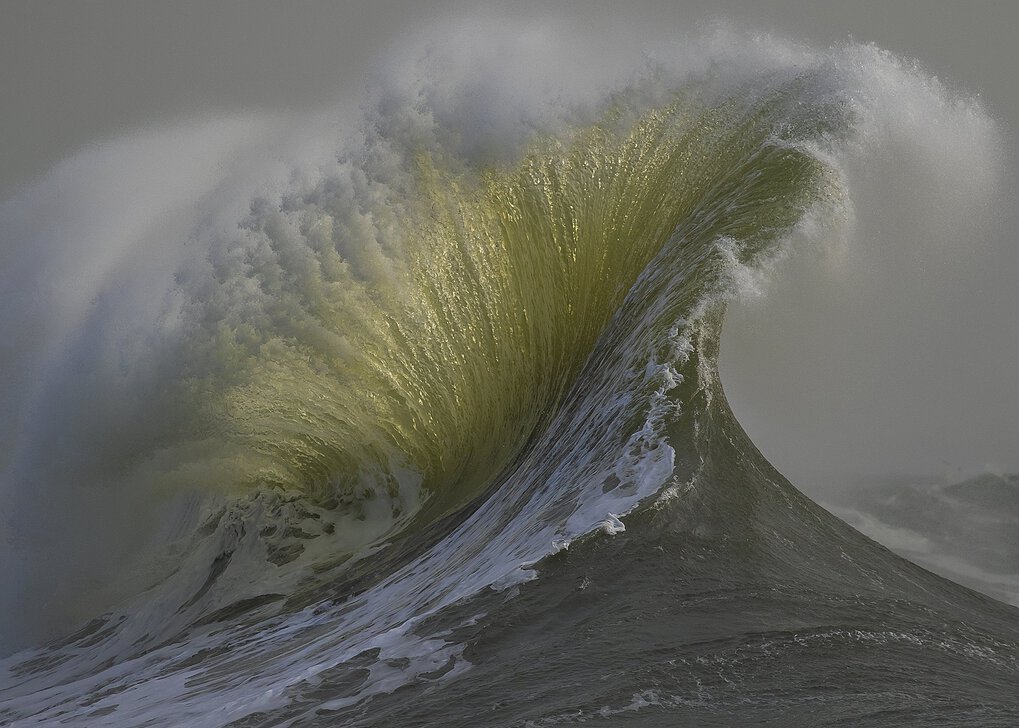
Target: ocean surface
point(429, 431)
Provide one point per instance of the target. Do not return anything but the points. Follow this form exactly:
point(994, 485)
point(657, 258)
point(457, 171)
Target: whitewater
point(412, 416)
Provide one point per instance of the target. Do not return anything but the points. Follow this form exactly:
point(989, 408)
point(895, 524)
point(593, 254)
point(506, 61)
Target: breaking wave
point(295, 457)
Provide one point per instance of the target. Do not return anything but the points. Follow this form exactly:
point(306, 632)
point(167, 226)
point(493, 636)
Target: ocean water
point(427, 428)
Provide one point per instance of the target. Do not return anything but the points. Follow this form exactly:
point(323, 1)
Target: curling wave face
point(403, 381)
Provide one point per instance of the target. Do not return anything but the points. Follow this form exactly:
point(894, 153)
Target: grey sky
point(72, 72)
point(878, 373)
